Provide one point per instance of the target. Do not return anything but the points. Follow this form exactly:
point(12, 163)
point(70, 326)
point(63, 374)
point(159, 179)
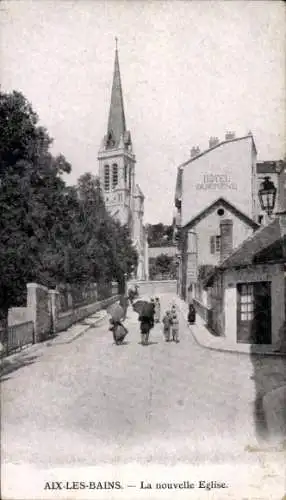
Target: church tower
point(116, 158)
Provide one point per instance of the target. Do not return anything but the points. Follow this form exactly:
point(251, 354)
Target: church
point(122, 195)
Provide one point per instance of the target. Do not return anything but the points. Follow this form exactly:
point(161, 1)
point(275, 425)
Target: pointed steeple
point(116, 121)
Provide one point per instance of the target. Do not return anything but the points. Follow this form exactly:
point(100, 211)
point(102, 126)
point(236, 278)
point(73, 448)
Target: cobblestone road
point(90, 402)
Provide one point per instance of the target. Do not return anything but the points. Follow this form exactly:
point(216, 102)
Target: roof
point(269, 167)
point(116, 121)
point(235, 139)
point(226, 204)
point(268, 244)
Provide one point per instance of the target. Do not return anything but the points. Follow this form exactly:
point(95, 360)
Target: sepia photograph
point(143, 249)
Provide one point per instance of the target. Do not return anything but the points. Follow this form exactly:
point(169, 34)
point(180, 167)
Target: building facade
point(246, 293)
point(226, 170)
point(123, 197)
point(206, 240)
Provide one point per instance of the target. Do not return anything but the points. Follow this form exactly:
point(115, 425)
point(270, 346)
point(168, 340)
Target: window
point(114, 175)
point(215, 244)
point(106, 178)
point(246, 302)
point(220, 212)
point(125, 173)
point(130, 179)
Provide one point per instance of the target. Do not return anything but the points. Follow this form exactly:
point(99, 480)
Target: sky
point(189, 70)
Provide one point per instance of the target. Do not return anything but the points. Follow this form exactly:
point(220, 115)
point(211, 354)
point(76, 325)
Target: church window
point(125, 174)
point(106, 178)
point(114, 175)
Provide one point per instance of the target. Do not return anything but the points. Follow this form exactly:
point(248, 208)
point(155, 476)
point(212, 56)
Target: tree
point(162, 265)
point(31, 198)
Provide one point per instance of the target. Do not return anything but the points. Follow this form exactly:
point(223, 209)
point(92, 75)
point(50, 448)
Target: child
point(167, 325)
point(175, 327)
point(157, 310)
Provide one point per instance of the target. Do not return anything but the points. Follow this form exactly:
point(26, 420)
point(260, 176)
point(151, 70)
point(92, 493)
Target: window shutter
point(212, 244)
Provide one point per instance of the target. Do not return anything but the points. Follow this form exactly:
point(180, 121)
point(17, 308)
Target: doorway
point(254, 313)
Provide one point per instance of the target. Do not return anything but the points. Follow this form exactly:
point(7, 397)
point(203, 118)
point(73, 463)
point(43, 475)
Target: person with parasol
point(146, 318)
point(116, 326)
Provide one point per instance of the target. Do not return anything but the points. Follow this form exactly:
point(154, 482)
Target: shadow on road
point(269, 374)
point(11, 365)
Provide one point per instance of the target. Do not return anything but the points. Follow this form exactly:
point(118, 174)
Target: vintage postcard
point(142, 250)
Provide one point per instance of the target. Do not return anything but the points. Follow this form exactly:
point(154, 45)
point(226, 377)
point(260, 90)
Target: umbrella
point(144, 308)
point(116, 312)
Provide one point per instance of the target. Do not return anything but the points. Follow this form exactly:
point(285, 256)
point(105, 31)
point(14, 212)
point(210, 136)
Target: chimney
point(213, 141)
point(229, 136)
point(226, 238)
point(195, 151)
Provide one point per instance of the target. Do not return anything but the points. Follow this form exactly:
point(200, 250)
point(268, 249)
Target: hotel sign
point(212, 182)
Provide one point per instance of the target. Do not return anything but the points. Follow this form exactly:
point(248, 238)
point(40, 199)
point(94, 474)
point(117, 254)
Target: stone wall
point(154, 287)
point(38, 302)
point(18, 315)
point(44, 309)
point(63, 320)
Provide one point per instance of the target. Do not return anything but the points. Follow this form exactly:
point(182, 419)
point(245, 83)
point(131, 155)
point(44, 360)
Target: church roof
point(116, 120)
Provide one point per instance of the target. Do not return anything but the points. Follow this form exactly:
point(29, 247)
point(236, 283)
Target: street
point(90, 402)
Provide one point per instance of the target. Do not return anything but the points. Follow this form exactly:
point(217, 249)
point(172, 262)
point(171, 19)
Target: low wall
point(64, 320)
point(154, 287)
point(18, 315)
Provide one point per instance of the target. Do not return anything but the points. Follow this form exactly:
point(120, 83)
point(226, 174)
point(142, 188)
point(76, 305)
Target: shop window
point(114, 175)
point(106, 178)
point(246, 302)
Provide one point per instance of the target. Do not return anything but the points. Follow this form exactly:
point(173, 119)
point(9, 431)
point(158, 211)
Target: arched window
point(106, 178)
point(125, 174)
point(114, 175)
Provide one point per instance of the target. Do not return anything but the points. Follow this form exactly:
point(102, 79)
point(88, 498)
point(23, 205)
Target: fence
point(18, 336)
point(51, 311)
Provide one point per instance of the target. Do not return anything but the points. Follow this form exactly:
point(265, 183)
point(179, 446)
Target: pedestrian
point(123, 301)
point(153, 312)
point(167, 325)
point(118, 330)
point(157, 307)
point(191, 314)
point(145, 327)
point(175, 327)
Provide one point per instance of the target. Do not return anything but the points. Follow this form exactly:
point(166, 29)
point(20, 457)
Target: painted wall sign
point(216, 181)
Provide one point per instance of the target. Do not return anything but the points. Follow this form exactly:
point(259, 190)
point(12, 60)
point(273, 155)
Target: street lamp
point(267, 195)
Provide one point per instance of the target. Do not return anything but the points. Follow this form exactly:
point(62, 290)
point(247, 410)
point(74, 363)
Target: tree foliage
point(163, 265)
point(160, 234)
point(50, 233)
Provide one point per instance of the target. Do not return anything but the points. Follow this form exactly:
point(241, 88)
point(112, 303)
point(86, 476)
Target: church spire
point(116, 121)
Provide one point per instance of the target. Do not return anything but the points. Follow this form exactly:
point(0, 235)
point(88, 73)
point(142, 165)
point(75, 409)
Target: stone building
point(216, 200)
point(246, 299)
point(123, 197)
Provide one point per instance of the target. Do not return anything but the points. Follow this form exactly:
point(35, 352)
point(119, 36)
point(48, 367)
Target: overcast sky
point(189, 70)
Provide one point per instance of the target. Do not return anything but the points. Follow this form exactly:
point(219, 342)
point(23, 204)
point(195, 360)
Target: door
point(254, 313)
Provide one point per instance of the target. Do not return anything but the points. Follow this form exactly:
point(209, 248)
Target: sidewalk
point(30, 352)
point(204, 338)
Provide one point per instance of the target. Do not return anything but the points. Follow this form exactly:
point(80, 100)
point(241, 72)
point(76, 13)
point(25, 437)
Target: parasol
point(144, 308)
